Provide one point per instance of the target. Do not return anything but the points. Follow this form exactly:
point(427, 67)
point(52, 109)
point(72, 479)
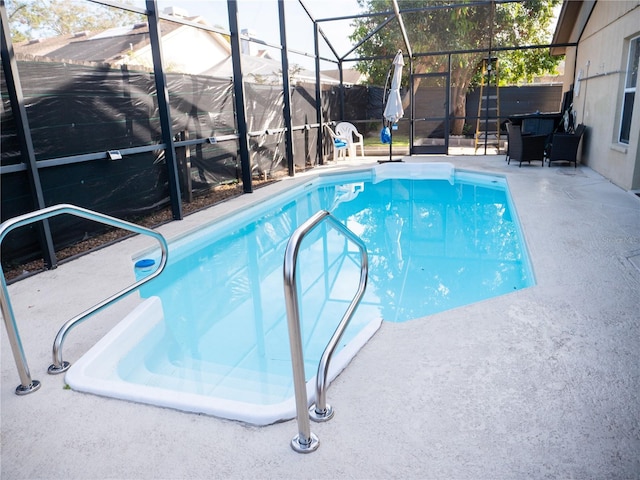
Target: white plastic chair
point(340, 144)
point(354, 138)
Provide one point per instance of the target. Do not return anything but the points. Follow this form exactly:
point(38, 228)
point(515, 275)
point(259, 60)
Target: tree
point(31, 19)
point(435, 26)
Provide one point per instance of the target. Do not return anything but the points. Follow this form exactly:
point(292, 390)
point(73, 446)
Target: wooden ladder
point(488, 119)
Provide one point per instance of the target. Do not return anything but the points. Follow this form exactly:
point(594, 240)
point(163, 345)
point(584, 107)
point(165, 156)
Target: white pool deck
point(540, 383)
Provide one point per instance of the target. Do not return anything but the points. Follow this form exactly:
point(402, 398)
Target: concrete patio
point(540, 383)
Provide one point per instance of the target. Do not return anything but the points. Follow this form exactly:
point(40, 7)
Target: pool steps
point(100, 373)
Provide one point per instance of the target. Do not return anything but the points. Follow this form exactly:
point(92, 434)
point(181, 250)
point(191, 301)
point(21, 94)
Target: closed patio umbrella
point(393, 110)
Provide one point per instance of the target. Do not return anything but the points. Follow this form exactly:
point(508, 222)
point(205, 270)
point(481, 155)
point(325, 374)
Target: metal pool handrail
point(28, 385)
point(305, 441)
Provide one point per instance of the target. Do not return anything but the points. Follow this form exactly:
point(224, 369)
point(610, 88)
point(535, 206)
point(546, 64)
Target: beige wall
point(602, 55)
point(179, 54)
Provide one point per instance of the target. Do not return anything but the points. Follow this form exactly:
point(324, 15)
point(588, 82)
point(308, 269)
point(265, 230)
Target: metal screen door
point(430, 109)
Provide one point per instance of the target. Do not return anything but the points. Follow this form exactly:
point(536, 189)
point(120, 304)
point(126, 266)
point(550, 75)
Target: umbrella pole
point(396, 110)
point(384, 101)
point(390, 142)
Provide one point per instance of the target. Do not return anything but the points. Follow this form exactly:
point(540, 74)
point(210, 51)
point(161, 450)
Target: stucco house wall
point(180, 54)
point(597, 68)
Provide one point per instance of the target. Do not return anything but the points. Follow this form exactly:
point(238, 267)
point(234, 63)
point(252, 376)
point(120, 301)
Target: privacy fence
point(98, 143)
point(79, 112)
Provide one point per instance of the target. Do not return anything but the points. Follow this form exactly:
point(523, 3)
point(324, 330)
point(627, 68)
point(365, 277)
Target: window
point(629, 89)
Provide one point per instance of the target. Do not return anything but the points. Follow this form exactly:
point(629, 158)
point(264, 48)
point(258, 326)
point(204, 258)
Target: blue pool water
point(213, 336)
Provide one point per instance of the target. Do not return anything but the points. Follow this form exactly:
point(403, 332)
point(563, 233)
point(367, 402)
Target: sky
point(261, 18)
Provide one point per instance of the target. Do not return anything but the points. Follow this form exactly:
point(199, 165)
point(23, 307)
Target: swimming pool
point(212, 335)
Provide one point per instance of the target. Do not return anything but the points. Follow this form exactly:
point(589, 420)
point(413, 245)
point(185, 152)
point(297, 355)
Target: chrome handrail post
point(304, 441)
point(28, 385)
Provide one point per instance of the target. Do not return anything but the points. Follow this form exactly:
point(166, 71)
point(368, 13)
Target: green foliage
point(32, 19)
point(437, 27)
point(475, 27)
point(521, 66)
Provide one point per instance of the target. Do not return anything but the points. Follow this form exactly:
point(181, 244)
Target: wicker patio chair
point(524, 148)
point(564, 147)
